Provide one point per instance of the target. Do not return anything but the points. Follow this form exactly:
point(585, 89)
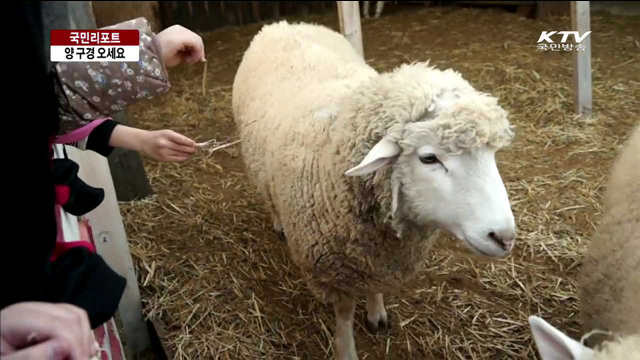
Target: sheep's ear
point(395, 195)
point(380, 155)
point(554, 345)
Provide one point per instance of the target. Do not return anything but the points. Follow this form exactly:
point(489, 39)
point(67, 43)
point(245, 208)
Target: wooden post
point(111, 243)
point(206, 7)
point(545, 9)
point(255, 8)
point(349, 18)
point(166, 13)
point(582, 95)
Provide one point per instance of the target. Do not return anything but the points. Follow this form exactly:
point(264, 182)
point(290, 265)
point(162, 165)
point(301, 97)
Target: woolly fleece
point(610, 276)
point(308, 108)
point(625, 348)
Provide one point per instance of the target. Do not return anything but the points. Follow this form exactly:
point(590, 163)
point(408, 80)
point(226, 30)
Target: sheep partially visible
point(610, 274)
point(554, 345)
point(360, 169)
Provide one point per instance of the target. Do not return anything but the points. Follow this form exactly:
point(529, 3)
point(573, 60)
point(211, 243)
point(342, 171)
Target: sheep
point(610, 274)
point(609, 282)
point(360, 170)
point(554, 345)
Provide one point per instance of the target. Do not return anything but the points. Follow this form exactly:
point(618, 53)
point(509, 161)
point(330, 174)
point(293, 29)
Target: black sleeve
point(98, 140)
point(31, 213)
point(78, 277)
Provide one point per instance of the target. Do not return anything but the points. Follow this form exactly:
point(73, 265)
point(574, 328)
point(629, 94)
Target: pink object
point(107, 337)
point(63, 192)
point(79, 134)
point(62, 247)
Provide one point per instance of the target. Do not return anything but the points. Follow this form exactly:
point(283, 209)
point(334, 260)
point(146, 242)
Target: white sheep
point(610, 274)
point(554, 345)
point(609, 282)
point(360, 169)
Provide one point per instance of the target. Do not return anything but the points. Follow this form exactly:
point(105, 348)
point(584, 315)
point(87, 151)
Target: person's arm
point(94, 90)
point(82, 100)
point(162, 145)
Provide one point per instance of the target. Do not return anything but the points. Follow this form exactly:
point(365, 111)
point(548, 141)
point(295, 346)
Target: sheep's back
point(610, 279)
point(292, 69)
point(286, 95)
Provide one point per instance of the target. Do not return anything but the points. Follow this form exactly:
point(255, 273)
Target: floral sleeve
point(94, 90)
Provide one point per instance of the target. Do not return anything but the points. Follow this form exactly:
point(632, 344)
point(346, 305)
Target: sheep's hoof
point(281, 236)
point(382, 327)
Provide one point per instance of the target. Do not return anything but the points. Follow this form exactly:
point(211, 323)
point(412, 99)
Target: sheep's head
point(444, 171)
point(554, 344)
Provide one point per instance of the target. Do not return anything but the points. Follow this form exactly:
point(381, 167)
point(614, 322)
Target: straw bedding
point(214, 273)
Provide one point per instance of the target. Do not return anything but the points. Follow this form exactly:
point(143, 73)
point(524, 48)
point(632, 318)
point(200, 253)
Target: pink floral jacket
point(90, 93)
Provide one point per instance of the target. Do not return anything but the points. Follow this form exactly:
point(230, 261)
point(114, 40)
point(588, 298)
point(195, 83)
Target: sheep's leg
point(345, 345)
point(379, 7)
point(365, 10)
point(277, 224)
point(376, 313)
point(275, 218)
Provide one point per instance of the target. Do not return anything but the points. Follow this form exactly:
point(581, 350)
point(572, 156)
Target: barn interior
point(217, 281)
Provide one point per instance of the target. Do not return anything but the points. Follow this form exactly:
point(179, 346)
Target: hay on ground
point(214, 273)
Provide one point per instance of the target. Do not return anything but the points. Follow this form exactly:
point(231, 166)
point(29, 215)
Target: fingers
point(5, 347)
point(31, 324)
point(186, 150)
point(194, 50)
point(181, 140)
point(51, 350)
point(181, 45)
point(180, 144)
point(70, 326)
point(193, 43)
point(83, 326)
point(175, 156)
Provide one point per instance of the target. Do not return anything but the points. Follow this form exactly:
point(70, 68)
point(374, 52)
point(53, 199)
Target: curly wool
point(308, 108)
point(624, 348)
point(610, 276)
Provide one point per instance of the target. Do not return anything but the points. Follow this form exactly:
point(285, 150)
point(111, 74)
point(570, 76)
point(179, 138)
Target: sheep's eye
point(428, 159)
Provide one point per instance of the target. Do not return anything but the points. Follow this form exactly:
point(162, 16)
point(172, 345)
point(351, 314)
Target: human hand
point(36, 330)
point(167, 145)
point(180, 45)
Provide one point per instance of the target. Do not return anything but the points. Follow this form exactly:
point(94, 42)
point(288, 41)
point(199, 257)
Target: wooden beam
point(546, 9)
point(94, 169)
point(350, 27)
point(255, 9)
point(111, 243)
point(582, 94)
point(190, 5)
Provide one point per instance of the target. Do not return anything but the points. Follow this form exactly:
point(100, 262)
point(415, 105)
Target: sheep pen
point(219, 279)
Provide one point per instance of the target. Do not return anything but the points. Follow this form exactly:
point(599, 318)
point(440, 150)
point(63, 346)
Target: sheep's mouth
point(481, 252)
point(476, 249)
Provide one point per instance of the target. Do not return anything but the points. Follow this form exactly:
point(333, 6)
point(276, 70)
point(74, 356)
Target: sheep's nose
point(504, 237)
